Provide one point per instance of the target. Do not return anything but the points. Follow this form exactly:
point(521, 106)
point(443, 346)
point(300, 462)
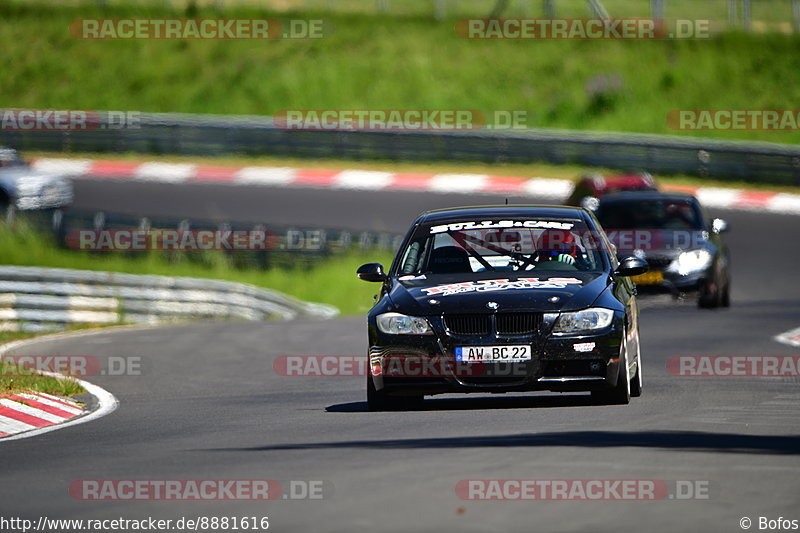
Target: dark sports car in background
point(682, 245)
point(504, 299)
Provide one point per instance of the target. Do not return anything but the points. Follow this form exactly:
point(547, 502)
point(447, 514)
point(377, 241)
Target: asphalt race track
point(208, 405)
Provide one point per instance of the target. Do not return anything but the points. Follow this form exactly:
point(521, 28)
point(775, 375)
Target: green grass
point(764, 11)
point(14, 378)
point(396, 61)
point(9, 336)
point(329, 280)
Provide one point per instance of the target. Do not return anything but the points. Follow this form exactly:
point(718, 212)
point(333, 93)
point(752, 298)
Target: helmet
point(554, 242)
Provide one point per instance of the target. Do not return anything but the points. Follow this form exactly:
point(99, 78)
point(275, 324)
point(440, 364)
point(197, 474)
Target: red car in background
point(591, 187)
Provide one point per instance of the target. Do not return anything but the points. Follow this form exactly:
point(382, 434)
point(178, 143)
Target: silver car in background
point(23, 188)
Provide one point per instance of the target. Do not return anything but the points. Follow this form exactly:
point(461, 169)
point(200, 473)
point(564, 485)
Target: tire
point(709, 300)
point(636, 381)
point(378, 400)
point(725, 301)
point(621, 393)
point(6, 209)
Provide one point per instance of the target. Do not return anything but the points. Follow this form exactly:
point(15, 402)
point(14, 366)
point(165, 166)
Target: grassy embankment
point(394, 62)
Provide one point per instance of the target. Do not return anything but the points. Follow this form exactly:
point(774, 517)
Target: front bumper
point(676, 284)
point(426, 364)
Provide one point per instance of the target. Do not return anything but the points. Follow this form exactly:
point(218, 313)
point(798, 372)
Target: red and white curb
point(559, 189)
point(30, 414)
point(24, 412)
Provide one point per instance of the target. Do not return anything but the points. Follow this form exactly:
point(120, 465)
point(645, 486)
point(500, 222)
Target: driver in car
point(557, 245)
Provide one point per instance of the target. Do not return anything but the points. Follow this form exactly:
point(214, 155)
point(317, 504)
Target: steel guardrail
point(36, 298)
point(169, 133)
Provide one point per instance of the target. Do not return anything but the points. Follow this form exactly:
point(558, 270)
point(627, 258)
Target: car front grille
point(504, 324)
point(477, 325)
point(518, 323)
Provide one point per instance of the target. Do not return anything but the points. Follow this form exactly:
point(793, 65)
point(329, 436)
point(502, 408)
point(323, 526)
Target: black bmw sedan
point(504, 299)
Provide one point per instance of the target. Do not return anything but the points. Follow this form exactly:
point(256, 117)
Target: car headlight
point(691, 262)
point(584, 321)
point(397, 324)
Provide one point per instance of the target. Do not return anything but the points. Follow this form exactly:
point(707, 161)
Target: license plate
point(649, 278)
point(493, 354)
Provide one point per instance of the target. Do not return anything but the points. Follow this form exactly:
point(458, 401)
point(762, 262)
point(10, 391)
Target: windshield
point(503, 246)
point(651, 214)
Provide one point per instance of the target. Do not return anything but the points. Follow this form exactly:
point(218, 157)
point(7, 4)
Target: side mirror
point(719, 226)
point(372, 272)
point(632, 266)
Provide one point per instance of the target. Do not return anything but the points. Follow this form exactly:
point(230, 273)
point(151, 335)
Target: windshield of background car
point(541, 245)
point(651, 214)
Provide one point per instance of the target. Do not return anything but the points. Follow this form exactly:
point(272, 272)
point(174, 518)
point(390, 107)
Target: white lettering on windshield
point(492, 224)
point(500, 285)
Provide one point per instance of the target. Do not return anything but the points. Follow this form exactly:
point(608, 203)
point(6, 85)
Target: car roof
point(455, 214)
point(630, 196)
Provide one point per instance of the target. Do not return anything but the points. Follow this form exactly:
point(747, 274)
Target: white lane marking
point(791, 337)
point(265, 176)
point(363, 179)
point(464, 183)
point(51, 403)
point(69, 167)
point(11, 425)
point(31, 411)
point(547, 187)
point(165, 172)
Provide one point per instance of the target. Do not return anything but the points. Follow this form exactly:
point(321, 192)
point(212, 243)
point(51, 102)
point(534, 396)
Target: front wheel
point(726, 295)
point(636, 380)
point(378, 400)
point(621, 393)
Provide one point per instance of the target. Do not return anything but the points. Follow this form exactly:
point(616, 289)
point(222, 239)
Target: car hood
point(551, 292)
